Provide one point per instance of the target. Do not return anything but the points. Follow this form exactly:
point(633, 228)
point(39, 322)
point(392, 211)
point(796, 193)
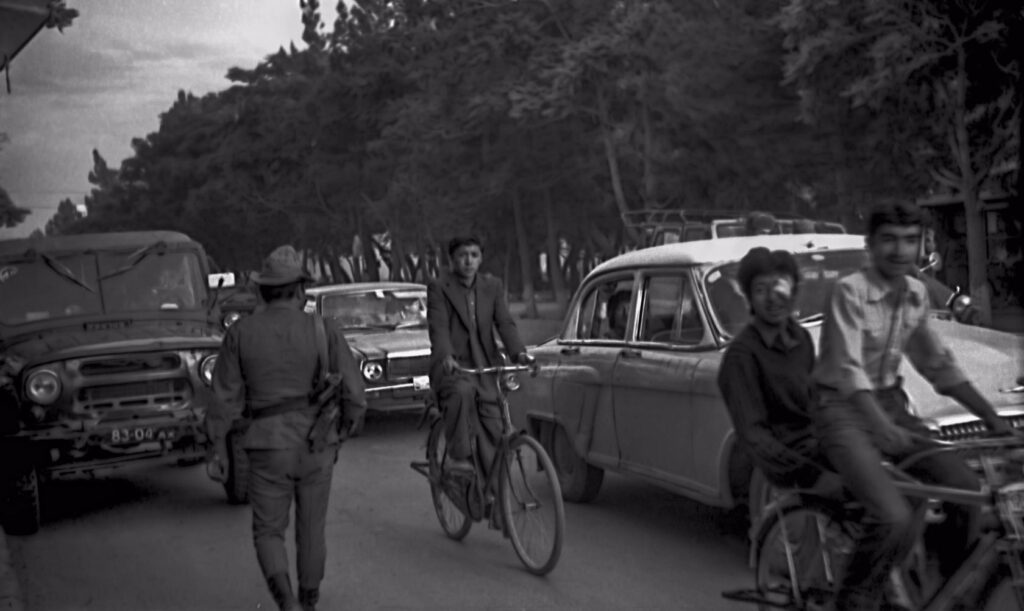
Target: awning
point(20, 21)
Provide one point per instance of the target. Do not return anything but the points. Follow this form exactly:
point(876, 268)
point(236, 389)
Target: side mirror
point(216, 281)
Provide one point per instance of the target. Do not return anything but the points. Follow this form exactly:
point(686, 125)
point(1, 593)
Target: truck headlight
point(373, 371)
point(206, 367)
point(43, 387)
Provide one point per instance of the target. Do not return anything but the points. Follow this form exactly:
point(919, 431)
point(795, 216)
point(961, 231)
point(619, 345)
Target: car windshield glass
point(157, 281)
point(389, 308)
point(34, 290)
point(818, 271)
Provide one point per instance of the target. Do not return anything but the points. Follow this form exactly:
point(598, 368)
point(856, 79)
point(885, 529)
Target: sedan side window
point(671, 314)
point(604, 312)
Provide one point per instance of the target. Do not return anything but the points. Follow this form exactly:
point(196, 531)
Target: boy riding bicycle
point(875, 316)
point(463, 311)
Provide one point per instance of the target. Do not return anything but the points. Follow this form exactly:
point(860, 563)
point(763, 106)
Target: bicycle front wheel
point(531, 504)
point(443, 489)
point(800, 554)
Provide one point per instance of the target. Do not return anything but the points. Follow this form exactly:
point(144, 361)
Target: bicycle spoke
point(532, 504)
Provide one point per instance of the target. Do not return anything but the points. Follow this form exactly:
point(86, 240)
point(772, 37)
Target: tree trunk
point(613, 165)
point(554, 255)
point(977, 247)
point(523, 246)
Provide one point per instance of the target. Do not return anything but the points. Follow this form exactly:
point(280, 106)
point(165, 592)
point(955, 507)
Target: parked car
point(641, 398)
point(669, 226)
point(385, 324)
point(107, 349)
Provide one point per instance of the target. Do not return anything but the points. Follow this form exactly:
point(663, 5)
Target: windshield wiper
point(135, 258)
point(61, 269)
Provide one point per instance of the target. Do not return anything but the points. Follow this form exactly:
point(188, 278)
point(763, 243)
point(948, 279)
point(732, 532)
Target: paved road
point(165, 539)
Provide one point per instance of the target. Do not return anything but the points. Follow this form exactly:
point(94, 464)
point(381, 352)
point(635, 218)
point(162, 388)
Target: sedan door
point(653, 378)
point(588, 350)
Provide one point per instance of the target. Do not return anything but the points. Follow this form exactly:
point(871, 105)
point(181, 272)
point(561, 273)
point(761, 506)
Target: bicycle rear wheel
point(531, 504)
point(819, 545)
point(443, 489)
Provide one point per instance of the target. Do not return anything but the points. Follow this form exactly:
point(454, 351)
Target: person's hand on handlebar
point(450, 365)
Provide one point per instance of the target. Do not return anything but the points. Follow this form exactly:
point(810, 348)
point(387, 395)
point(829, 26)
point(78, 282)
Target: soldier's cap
point(282, 266)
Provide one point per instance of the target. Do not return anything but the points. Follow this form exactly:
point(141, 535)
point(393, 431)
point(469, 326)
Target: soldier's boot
point(308, 598)
point(281, 589)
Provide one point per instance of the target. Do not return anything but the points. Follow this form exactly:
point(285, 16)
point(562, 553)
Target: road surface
point(165, 539)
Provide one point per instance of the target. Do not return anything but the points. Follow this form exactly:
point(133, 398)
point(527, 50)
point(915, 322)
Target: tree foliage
point(537, 124)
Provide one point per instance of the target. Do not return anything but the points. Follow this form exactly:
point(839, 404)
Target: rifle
point(328, 415)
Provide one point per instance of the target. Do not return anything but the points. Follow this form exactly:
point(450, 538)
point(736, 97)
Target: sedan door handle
point(569, 350)
point(630, 353)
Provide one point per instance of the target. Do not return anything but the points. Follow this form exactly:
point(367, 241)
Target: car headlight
point(373, 371)
point(231, 318)
point(43, 387)
point(206, 367)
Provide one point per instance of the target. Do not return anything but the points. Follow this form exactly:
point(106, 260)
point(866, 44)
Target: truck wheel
point(580, 481)
point(21, 515)
point(237, 486)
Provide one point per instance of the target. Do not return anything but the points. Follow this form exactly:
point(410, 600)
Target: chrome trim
point(405, 354)
point(404, 386)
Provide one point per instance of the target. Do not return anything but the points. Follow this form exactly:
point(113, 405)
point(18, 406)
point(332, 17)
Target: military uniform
point(270, 361)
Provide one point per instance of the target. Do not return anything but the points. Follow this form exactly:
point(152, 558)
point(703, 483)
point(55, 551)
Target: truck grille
point(406, 367)
point(150, 394)
point(130, 363)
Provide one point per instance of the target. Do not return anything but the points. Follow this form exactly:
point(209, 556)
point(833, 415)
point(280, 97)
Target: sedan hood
point(992, 361)
point(379, 344)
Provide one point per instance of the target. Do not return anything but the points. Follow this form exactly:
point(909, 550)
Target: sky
point(107, 78)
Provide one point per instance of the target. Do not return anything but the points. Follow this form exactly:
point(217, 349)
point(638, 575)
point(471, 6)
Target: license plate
point(421, 382)
point(139, 434)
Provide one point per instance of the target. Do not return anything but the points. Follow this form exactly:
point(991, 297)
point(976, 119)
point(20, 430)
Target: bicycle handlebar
point(496, 369)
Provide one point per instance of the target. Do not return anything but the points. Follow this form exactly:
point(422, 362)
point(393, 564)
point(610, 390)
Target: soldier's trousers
point(275, 478)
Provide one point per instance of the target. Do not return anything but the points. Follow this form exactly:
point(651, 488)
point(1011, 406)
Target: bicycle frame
point(993, 548)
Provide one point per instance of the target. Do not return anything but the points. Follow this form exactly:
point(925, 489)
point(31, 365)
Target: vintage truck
point(107, 349)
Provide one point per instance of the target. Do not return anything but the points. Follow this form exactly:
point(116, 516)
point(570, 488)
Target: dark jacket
point(447, 320)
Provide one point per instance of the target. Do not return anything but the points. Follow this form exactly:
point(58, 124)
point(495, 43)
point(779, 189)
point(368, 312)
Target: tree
point(940, 77)
point(64, 219)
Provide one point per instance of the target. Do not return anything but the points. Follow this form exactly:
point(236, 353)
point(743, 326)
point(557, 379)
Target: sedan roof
point(361, 287)
point(720, 250)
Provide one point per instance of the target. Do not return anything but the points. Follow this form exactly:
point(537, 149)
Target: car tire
point(237, 484)
point(21, 509)
point(579, 480)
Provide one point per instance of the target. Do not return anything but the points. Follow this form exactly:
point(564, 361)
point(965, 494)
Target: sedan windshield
point(56, 286)
point(818, 271)
point(379, 308)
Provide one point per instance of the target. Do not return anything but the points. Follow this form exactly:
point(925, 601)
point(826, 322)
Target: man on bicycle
point(463, 311)
point(875, 316)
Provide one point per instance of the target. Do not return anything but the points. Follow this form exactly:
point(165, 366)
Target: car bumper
point(398, 396)
point(72, 447)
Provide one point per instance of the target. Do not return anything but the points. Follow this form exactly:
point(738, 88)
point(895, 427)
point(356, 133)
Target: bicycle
point(521, 482)
point(803, 540)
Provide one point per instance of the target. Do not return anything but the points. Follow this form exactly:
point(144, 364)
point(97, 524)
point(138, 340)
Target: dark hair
point(895, 213)
point(279, 293)
point(760, 261)
point(761, 222)
point(463, 240)
point(617, 298)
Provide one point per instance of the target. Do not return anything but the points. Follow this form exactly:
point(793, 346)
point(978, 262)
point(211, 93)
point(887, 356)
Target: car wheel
point(579, 480)
point(237, 484)
point(21, 511)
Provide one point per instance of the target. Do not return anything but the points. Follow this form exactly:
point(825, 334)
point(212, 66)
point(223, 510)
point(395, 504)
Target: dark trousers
point(889, 532)
point(275, 478)
point(470, 410)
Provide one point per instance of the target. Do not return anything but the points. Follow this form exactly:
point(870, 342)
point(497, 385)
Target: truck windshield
point(63, 285)
point(818, 272)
